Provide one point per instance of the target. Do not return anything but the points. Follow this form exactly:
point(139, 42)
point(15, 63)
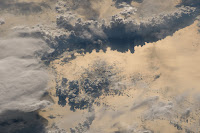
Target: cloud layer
point(23, 79)
point(24, 8)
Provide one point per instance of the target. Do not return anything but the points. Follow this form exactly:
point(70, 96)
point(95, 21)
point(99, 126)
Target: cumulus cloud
point(94, 82)
point(121, 32)
point(23, 78)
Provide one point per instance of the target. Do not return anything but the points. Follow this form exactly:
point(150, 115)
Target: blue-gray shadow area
point(118, 35)
point(22, 122)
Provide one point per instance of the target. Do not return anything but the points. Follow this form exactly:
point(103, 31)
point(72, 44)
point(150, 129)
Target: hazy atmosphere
point(99, 66)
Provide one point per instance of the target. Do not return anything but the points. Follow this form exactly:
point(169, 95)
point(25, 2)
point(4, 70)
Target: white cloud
point(23, 79)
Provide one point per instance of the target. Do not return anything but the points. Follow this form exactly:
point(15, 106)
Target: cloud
point(195, 3)
point(84, 126)
point(23, 78)
point(74, 34)
point(159, 110)
point(148, 102)
point(118, 3)
point(120, 33)
point(23, 82)
point(94, 82)
point(22, 7)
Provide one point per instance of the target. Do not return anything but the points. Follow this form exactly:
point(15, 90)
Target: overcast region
point(99, 66)
point(22, 7)
point(23, 78)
